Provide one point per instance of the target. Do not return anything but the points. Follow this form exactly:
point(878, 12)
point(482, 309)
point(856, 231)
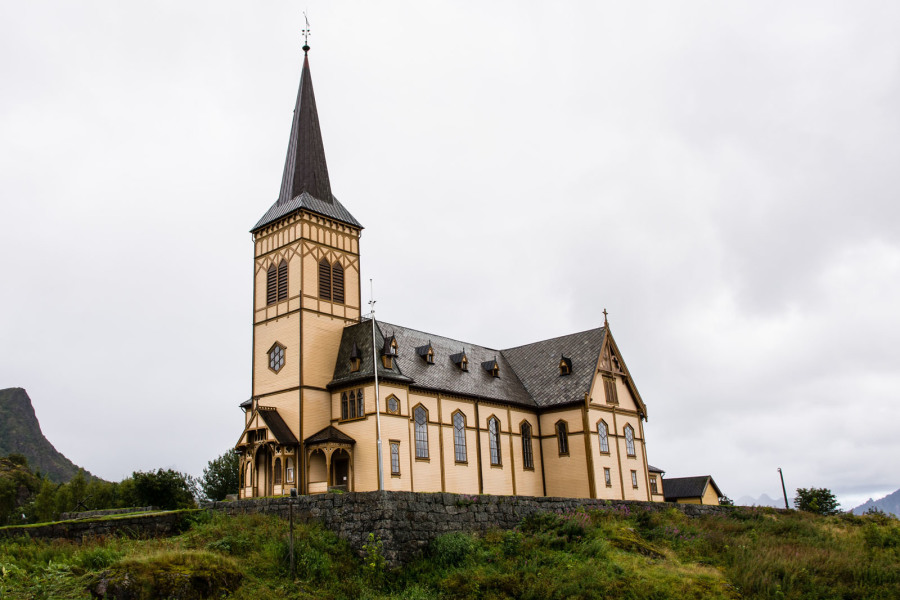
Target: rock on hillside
point(889, 504)
point(21, 433)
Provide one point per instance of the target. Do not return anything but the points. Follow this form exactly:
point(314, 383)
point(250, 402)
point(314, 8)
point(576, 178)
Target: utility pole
point(377, 400)
point(783, 489)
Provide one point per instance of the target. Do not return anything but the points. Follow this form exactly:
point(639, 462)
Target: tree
point(816, 500)
point(726, 501)
point(220, 476)
point(165, 488)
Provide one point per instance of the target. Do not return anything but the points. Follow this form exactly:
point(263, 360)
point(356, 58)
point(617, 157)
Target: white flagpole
point(377, 397)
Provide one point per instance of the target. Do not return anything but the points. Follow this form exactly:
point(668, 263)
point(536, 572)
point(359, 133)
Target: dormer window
point(460, 360)
point(426, 352)
point(390, 346)
point(492, 367)
point(565, 366)
point(355, 359)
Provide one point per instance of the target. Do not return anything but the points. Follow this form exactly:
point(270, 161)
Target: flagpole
point(377, 396)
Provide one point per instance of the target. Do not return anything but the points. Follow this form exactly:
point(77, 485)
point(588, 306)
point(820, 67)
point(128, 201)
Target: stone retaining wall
point(406, 522)
point(90, 514)
point(144, 525)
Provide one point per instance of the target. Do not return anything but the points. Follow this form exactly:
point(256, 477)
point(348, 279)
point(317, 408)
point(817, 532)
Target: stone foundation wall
point(406, 522)
point(90, 514)
point(144, 525)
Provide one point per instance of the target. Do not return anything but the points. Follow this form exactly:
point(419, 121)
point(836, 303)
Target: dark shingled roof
point(676, 488)
point(277, 425)
point(333, 210)
point(653, 469)
point(538, 366)
point(305, 183)
point(445, 376)
point(330, 434)
point(246, 403)
point(360, 336)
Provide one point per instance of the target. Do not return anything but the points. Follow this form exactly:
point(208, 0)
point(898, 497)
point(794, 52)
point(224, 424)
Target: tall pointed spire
point(305, 169)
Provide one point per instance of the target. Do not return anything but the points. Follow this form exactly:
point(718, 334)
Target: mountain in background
point(21, 433)
point(889, 504)
point(764, 500)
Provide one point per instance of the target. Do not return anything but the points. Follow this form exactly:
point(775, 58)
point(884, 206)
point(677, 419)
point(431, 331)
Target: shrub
point(220, 476)
point(816, 500)
point(165, 488)
point(453, 549)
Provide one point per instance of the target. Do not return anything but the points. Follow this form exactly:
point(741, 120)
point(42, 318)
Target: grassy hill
point(750, 553)
point(20, 433)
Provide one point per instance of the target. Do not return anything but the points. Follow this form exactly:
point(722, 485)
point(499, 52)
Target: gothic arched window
point(277, 471)
point(459, 437)
point(603, 432)
point(527, 453)
point(420, 416)
point(562, 437)
point(360, 404)
point(345, 407)
point(629, 440)
point(494, 439)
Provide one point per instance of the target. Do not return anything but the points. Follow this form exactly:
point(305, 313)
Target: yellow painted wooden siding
point(566, 475)
point(286, 331)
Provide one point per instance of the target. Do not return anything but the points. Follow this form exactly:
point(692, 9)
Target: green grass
point(757, 553)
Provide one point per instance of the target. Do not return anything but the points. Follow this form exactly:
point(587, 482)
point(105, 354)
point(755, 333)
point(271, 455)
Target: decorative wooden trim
point(512, 450)
point(588, 453)
point(478, 449)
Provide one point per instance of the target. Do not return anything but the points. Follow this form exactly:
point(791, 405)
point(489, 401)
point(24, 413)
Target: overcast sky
point(722, 177)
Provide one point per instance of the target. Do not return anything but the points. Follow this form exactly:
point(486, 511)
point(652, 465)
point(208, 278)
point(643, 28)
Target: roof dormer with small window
point(491, 367)
point(565, 365)
point(460, 360)
point(426, 352)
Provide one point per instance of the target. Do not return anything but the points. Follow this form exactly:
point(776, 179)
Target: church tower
point(306, 290)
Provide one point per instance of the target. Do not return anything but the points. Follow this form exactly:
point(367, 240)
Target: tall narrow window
point(337, 283)
point(351, 406)
point(272, 284)
point(562, 438)
point(459, 437)
point(360, 404)
point(629, 440)
point(634, 479)
point(395, 458)
point(345, 407)
point(277, 471)
point(653, 488)
point(603, 432)
point(248, 480)
point(289, 470)
point(607, 476)
point(527, 453)
point(282, 280)
point(494, 439)
point(324, 280)
point(421, 426)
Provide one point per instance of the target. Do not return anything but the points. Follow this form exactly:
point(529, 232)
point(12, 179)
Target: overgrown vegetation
point(749, 553)
point(816, 500)
point(28, 497)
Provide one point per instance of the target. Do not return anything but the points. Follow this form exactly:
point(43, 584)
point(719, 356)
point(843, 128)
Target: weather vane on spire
point(306, 33)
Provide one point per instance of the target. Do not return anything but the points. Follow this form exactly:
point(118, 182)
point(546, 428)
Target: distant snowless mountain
point(764, 500)
point(889, 504)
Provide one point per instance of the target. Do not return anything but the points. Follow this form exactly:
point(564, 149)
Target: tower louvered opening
point(283, 280)
point(324, 280)
point(272, 285)
point(337, 283)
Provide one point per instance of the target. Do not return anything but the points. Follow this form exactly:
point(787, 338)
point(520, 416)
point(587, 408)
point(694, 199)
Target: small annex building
point(692, 490)
point(558, 417)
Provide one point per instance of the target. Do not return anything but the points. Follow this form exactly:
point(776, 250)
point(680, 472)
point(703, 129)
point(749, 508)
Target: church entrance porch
point(329, 461)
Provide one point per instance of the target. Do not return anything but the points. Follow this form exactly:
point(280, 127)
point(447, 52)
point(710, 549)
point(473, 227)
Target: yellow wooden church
point(559, 417)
